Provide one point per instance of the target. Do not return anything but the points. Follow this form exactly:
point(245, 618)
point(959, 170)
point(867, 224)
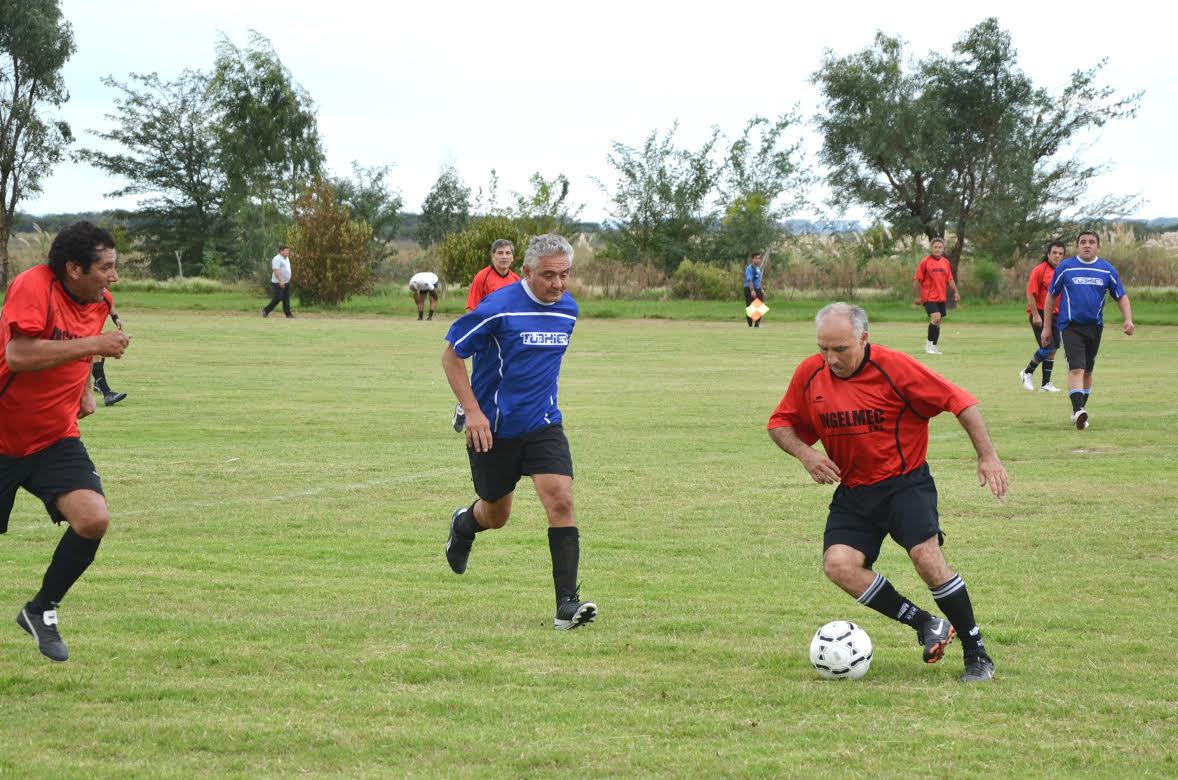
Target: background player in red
point(870, 407)
point(1037, 285)
point(931, 282)
point(495, 276)
point(50, 327)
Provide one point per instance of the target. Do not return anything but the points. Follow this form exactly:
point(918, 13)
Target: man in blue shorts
point(517, 337)
point(1080, 284)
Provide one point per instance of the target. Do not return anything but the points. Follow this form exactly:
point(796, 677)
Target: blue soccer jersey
point(517, 343)
point(1081, 287)
point(753, 273)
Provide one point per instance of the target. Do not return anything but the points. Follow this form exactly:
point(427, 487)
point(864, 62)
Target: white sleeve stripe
point(512, 314)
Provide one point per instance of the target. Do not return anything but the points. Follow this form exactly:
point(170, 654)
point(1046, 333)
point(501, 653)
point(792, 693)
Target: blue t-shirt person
point(1081, 287)
point(517, 342)
point(752, 276)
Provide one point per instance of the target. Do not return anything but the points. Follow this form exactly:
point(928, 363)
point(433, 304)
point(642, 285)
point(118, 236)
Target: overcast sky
point(523, 87)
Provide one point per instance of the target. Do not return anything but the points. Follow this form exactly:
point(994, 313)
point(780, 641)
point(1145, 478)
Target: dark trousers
point(279, 294)
point(749, 297)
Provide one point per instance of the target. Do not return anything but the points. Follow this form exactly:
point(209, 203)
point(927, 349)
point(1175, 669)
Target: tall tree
point(963, 142)
point(35, 42)
point(662, 204)
point(446, 208)
point(331, 247)
point(368, 196)
point(170, 155)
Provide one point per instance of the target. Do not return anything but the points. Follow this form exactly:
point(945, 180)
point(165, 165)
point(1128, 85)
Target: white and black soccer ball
point(840, 650)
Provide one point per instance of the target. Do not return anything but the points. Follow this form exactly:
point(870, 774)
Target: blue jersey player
point(1080, 285)
point(517, 337)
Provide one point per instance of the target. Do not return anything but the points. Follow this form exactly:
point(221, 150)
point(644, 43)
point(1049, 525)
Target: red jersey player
point(1037, 286)
point(50, 328)
point(932, 281)
point(870, 407)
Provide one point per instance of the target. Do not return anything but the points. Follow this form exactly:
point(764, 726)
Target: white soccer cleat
point(1048, 388)
point(931, 348)
point(1026, 380)
point(1080, 419)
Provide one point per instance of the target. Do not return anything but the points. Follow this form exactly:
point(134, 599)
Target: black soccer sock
point(884, 599)
point(467, 526)
point(934, 333)
point(1048, 367)
point(565, 545)
point(419, 314)
point(1030, 369)
point(750, 321)
point(1077, 398)
point(953, 599)
point(1087, 398)
point(99, 373)
point(73, 556)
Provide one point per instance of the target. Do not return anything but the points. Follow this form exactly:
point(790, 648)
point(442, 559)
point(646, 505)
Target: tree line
point(228, 162)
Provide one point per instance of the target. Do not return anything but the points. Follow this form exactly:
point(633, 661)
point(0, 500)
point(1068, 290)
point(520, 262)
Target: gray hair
point(547, 245)
point(501, 242)
point(857, 316)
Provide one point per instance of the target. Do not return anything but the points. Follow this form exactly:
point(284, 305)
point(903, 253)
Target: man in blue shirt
point(517, 336)
point(753, 273)
point(1080, 284)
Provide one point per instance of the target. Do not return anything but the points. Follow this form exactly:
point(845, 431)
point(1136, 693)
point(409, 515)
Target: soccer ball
point(840, 650)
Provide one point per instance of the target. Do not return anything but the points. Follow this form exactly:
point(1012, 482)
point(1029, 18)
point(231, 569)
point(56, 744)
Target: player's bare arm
point(1127, 314)
point(820, 468)
point(87, 405)
point(478, 427)
point(28, 353)
point(1048, 307)
point(990, 469)
point(956, 294)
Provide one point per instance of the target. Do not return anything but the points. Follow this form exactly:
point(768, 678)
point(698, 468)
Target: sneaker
point(458, 420)
point(978, 668)
point(574, 613)
point(928, 347)
point(112, 398)
point(265, 314)
point(1049, 388)
point(935, 635)
point(1026, 380)
point(1080, 419)
point(457, 546)
point(43, 628)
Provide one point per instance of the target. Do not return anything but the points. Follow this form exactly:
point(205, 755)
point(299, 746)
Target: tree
point(331, 247)
point(466, 252)
point(35, 42)
point(368, 197)
point(763, 183)
point(446, 208)
point(268, 141)
point(661, 205)
point(964, 142)
point(167, 130)
point(546, 209)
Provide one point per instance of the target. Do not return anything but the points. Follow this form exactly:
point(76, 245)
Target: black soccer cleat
point(43, 628)
point(112, 398)
point(458, 420)
point(574, 613)
point(978, 668)
point(935, 635)
point(457, 546)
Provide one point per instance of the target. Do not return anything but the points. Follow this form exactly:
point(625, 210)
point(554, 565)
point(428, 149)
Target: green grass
point(272, 597)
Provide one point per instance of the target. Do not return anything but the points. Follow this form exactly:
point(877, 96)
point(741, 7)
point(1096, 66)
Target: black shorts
point(420, 294)
point(936, 307)
point(60, 468)
point(1080, 344)
point(543, 451)
point(1038, 331)
point(903, 507)
point(749, 295)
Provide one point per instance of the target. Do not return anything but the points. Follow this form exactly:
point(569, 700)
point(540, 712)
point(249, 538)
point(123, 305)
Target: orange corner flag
point(757, 309)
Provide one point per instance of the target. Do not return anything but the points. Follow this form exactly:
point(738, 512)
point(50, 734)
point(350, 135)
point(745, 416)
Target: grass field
point(272, 598)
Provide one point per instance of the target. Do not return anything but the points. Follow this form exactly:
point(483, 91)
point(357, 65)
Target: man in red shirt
point(494, 277)
point(870, 407)
point(50, 328)
point(1037, 286)
point(931, 283)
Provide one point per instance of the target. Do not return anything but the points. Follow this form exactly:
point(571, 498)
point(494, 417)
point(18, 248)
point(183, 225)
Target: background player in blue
point(517, 336)
point(1080, 284)
point(753, 276)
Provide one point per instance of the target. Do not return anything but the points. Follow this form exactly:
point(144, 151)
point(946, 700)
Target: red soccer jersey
point(873, 424)
point(38, 408)
point(1038, 284)
point(934, 275)
point(486, 282)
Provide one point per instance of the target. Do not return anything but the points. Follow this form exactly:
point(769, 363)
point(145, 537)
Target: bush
point(465, 253)
point(985, 279)
point(699, 281)
point(331, 249)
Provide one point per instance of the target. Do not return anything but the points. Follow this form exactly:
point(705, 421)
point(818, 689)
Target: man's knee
point(930, 561)
point(935, 318)
point(86, 513)
point(494, 514)
point(840, 563)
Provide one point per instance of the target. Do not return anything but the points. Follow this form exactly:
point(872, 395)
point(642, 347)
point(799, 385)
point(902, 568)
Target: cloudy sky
point(522, 87)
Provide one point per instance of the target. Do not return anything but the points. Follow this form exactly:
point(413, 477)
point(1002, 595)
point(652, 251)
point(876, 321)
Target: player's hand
point(478, 430)
point(113, 343)
point(87, 405)
point(1128, 327)
point(822, 469)
point(1037, 321)
point(1045, 337)
point(991, 472)
point(918, 302)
